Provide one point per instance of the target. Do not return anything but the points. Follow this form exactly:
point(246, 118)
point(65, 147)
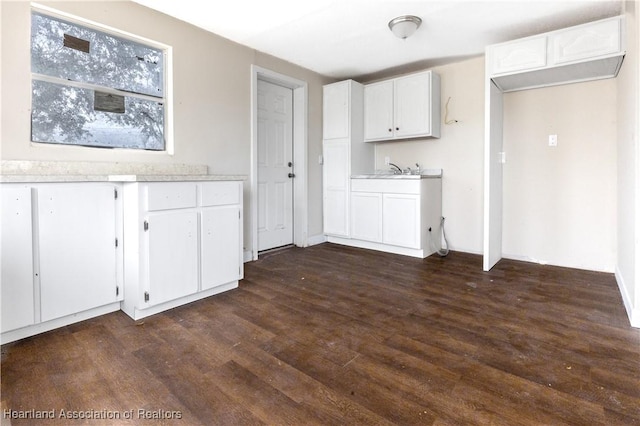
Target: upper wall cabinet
point(519, 55)
point(581, 53)
point(403, 107)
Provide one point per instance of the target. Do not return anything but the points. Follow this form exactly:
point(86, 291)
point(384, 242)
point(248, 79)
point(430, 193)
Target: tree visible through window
point(95, 89)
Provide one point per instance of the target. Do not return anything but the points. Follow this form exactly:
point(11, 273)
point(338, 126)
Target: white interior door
point(275, 167)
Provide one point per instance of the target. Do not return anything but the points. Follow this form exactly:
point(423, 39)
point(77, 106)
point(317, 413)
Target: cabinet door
point(586, 41)
point(412, 111)
point(366, 216)
point(16, 290)
point(401, 220)
point(378, 111)
point(173, 256)
point(336, 187)
point(77, 248)
point(221, 256)
point(518, 55)
point(335, 109)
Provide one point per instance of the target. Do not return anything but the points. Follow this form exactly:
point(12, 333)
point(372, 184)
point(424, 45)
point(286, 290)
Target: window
point(94, 88)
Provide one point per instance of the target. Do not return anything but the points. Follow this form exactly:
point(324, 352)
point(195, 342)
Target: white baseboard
point(247, 256)
point(316, 239)
point(32, 330)
point(595, 268)
point(632, 313)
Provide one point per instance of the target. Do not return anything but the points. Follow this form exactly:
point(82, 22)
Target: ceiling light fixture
point(404, 26)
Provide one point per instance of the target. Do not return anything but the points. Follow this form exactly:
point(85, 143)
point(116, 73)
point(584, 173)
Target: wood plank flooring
point(332, 335)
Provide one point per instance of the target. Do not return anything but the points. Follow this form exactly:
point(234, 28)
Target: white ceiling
point(350, 38)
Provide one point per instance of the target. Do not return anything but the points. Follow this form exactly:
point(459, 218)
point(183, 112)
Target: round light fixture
point(404, 26)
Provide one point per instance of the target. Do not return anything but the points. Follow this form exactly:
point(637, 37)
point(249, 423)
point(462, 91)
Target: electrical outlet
point(387, 160)
point(553, 140)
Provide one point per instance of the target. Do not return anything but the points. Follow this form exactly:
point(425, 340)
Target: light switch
point(553, 140)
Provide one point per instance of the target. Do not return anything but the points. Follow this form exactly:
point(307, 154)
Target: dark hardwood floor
point(332, 335)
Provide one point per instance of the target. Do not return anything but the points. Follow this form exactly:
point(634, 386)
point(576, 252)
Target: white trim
point(137, 313)
point(300, 199)
point(54, 13)
point(632, 313)
point(316, 239)
point(41, 327)
point(387, 248)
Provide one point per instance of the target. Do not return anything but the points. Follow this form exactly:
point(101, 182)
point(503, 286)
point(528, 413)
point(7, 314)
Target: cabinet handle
point(390, 130)
point(291, 175)
point(397, 128)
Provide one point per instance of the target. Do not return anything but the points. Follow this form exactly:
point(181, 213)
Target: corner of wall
point(632, 312)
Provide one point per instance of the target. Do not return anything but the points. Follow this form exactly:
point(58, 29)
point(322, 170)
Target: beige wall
point(560, 202)
point(459, 152)
point(211, 85)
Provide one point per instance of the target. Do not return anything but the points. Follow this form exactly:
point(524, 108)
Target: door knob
point(291, 175)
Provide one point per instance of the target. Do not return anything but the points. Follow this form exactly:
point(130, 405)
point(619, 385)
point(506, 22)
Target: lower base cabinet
point(73, 251)
point(183, 243)
point(62, 255)
point(395, 215)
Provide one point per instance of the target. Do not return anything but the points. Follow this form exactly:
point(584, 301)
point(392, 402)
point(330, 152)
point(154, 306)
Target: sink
point(424, 174)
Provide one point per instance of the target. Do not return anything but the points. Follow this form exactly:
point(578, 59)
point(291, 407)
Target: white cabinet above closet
point(403, 107)
point(581, 53)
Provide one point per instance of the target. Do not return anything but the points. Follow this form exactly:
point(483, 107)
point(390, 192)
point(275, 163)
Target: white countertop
point(58, 171)
point(116, 178)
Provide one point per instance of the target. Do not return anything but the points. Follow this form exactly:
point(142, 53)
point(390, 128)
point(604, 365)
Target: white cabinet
point(183, 243)
point(172, 247)
point(585, 52)
point(336, 109)
point(62, 255)
point(344, 152)
point(221, 251)
point(586, 41)
point(336, 174)
point(403, 107)
point(78, 253)
point(378, 117)
point(17, 289)
point(402, 220)
point(366, 216)
point(221, 234)
point(396, 215)
point(522, 55)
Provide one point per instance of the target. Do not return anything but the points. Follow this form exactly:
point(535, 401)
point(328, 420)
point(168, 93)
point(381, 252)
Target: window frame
point(167, 98)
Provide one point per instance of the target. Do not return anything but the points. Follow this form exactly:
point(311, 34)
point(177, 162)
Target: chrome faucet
point(397, 170)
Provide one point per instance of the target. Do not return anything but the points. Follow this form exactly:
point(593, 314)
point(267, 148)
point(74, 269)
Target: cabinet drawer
point(220, 193)
point(175, 195)
point(397, 186)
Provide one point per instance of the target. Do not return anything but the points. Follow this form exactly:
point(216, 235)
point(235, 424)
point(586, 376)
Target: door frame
point(300, 199)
